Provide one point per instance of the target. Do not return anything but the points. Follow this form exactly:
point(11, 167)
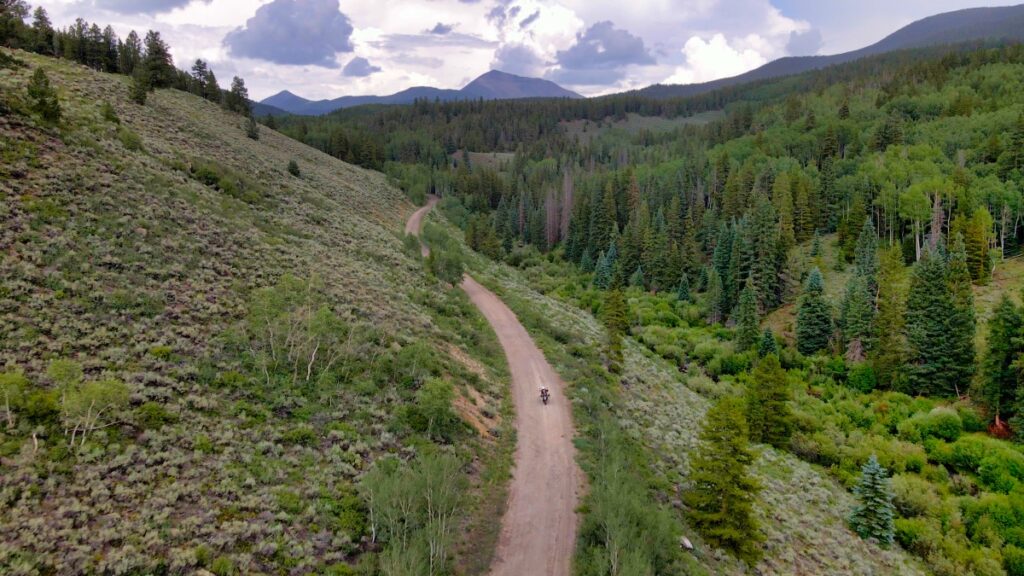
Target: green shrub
point(203, 444)
point(203, 555)
point(432, 414)
point(415, 364)
point(223, 566)
point(1002, 470)
point(293, 168)
point(972, 421)
point(913, 495)
point(109, 114)
point(941, 423)
point(153, 416)
point(966, 453)
point(1013, 560)
point(290, 502)
point(918, 535)
point(129, 139)
point(301, 435)
point(862, 378)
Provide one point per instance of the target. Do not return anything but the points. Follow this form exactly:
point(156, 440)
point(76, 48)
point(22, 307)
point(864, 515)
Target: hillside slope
point(133, 241)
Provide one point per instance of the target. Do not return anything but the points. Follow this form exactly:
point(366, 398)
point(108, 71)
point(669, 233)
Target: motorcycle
point(544, 395)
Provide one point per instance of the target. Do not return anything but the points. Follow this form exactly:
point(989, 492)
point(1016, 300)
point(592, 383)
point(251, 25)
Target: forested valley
point(789, 318)
point(840, 250)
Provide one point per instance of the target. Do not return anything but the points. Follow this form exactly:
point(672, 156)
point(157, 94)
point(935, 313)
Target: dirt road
point(538, 529)
point(415, 223)
point(538, 532)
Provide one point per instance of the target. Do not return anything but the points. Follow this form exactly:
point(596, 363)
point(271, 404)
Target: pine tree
point(722, 493)
point(12, 22)
point(129, 54)
point(683, 290)
point(872, 518)
point(158, 63)
point(138, 90)
point(866, 257)
point(782, 198)
point(962, 321)
point(714, 296)
point(888, 355)
point(1000, 379)
point(977, 242)
point(44, 101)
point(252, 128)
point(587, 261)
point(602, 272)
point(856, 318)
point(615, 315)
point(930, 345)
point(767, 344)
point(814, 316)
point(42, 32)
point(762, 243)
point(768, 396)
point(637, 279)
point(747, 322)
point(237, 99)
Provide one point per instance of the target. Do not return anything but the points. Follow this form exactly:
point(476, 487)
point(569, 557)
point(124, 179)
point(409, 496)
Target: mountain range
point(970, 25)
point(494, 85)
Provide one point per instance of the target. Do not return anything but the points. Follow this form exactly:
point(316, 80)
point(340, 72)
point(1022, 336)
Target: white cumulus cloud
point(715, 58)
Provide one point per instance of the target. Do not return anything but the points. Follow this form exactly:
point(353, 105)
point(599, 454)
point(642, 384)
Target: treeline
point(146, 59)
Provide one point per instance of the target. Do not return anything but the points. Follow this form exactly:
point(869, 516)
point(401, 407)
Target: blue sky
point(329, 48)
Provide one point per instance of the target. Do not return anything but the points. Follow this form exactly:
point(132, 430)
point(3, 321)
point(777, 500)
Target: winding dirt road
point(538, 531)
point(415, 223)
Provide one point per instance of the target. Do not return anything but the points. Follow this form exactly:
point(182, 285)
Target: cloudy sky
point(329, 48)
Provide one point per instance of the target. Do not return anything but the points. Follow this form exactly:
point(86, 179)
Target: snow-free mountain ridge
point(494, 85)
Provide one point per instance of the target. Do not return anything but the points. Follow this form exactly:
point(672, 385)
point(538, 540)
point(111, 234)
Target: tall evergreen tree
point(932, 349)
point(158, 63)
point(872, 518)
point(683, 290)
point(962, 321)
point(767, 344)
point(237, 98)
point(714, 295)
point(42, 32)
point(768, 397)
point(722, 492)
point(615, 314)
point(814, 316)
point(129, 54)
point(747, 322)
point(1000, 376)
point(603, 272)
point(857, 316)
point(12, 22)
point(977, 244)
point(138, 90)
point(866, 257)
point(636, 280)
point(888, 355)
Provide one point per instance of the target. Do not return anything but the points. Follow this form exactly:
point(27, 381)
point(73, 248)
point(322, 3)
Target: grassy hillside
point(139, 242)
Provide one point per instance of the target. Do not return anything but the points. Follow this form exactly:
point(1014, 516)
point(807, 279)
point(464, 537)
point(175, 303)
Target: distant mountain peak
point(491, 85)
